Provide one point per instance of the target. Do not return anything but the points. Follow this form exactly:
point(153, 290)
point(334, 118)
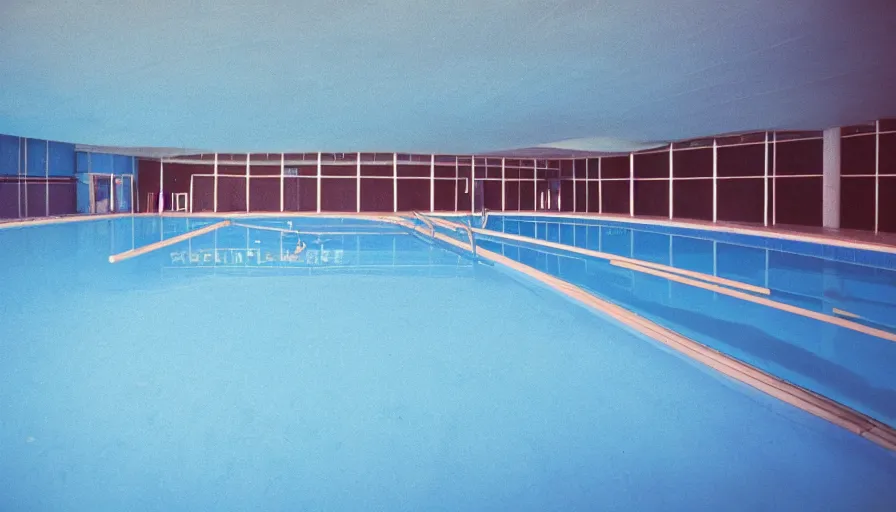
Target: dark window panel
point(414, 170)
point(446, 171)
point(742, 160)
point(35, 201)
point(594, 165)
point(888, 154)
point(445, 191)
point(264, 194)
point(413, 195)
point(652, 198)
point(339, 195)
point(798, 201)
point(339, 170)
point(492, 194)
point(857, 203)
point(231, 194)
point(615, 197)
point(799, 157)
point(527, 196)
point(300, 194)
point(204, 194)
point(62, 198)
point(615, 167)
point(264, 170)
point(566, 167)
point(581, 196)
point(9, 199)
point(377, 195)
point(464, 194)
point(692, 199)
point(580, 168)
point(692, 163)
point(861, 128)
point(887, 125)
point(511, 173)
point(377, 170)
point(230, 170)
point(567, 195)
point(512, 196)
point(857, 155)
point(177, 176)
point(741, 200)
point(148, 183)
point(887, 212)
point(652, 165)
point(594, 196)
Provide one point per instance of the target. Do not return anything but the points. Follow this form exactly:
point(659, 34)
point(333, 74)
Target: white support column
point(215, 198)
point(19, 175)
point(25, 176)
point(358, 186)
point(282, 178)
point(394, 182)
point(456, 182)
point(161, 185)
point(248, 158)
point(432, 183)
point(473, 183)
point(600, 187)
point(534, 184)
point(876, 175)
point(503, 188)
point(715, 181)
point(112, 192)
point(318, 182)
point(631, 184)
point(134, 188)
point(774, 178)
point(47, 181)
point(587, 187)
point(671, 187)
point(765, 183)
point(831, 178)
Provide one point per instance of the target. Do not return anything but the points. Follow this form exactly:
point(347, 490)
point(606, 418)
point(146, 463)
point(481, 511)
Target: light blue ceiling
point(453, 76)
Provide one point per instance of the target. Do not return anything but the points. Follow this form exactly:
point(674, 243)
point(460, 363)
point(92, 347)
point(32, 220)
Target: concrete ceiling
point(451, 76)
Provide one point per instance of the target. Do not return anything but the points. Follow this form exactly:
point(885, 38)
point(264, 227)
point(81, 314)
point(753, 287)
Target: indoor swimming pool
point(353, 363)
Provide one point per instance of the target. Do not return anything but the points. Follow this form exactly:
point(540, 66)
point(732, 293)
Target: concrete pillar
point(831, 178)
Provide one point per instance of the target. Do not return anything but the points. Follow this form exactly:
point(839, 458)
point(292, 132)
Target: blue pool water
point(373, 371)
point(851, 367)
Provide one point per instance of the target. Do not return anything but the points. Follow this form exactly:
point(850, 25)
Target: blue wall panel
point(82, 163)
point(62, 159)
point(122, 164)
point(37, 157)
point(9, 155)
point(101, 163)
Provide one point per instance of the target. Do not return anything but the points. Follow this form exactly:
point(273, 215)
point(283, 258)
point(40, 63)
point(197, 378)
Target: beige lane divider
point(115, 258)
point(839, 322)
point(263, 228)
point(841, 312)
point(606, 256)
point(813, 403)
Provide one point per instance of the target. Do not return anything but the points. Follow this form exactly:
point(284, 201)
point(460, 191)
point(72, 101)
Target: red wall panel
point(692, 199)
point(413, 194)
point(377, 195)
point(338, 195)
